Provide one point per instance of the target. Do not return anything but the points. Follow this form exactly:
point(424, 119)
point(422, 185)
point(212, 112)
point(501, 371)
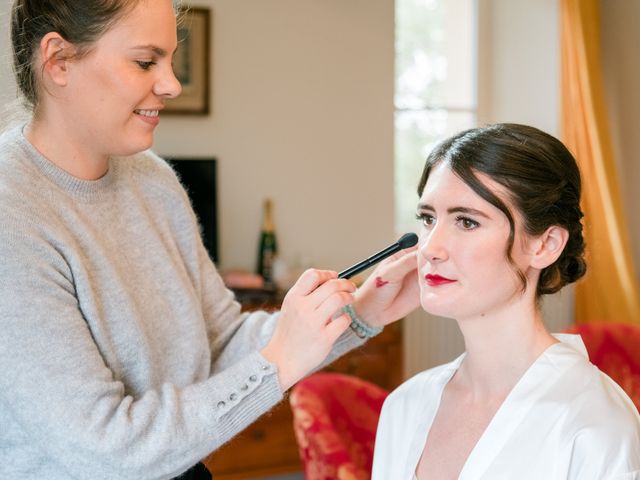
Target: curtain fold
point(609, 291)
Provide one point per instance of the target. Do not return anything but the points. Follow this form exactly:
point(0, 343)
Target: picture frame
point(191, 64)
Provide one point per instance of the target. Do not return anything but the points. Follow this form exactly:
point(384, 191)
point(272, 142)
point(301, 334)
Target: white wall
point(519, 63)
point(302, 111)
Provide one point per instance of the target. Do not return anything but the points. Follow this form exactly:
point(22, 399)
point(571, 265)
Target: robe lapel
point(427, 415)
point(536, 381)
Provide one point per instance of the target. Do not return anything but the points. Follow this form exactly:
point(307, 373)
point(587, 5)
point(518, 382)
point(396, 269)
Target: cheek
point(97, 91)
point(496, 276)
point(111, 86)
point(486, 261)
point(420, 257)
point(119, 89)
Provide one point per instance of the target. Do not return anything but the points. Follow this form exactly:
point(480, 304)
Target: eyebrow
point(467, 210)
point(161, 52)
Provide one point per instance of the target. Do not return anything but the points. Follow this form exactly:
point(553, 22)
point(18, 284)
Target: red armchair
point(615, 349)
point(335, 417)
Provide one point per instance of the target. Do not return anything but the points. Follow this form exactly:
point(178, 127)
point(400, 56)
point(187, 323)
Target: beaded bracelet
point(362, 328)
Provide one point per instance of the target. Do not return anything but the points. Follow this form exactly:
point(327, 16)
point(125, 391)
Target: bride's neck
point(500, 349)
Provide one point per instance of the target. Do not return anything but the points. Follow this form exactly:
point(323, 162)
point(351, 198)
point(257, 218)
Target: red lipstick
point(437, 280)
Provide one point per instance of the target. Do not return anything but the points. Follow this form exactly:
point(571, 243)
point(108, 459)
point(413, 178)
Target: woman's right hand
point(306, 329)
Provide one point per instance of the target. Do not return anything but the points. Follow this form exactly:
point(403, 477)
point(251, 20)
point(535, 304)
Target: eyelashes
point(465, 223)
point(145, 65)
point(426, 219)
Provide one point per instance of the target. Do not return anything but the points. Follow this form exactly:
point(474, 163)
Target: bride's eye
point(427, 219)
point(467, 224)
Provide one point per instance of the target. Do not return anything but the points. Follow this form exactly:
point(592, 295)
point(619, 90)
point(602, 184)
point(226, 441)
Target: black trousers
point(197, 472)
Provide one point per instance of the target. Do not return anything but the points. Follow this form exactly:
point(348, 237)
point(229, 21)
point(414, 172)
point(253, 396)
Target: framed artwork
point(191, 64)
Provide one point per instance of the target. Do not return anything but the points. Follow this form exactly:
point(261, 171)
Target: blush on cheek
point(380, 282)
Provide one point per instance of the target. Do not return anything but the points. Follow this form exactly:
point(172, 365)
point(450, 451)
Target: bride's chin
point(433, 309)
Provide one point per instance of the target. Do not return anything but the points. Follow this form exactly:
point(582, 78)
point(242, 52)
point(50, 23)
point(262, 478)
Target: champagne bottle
point(268, 246)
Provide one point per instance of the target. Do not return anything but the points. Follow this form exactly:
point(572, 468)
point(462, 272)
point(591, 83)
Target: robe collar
point(534, 383)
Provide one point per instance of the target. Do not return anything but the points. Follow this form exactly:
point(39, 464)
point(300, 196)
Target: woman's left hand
point(391, 291)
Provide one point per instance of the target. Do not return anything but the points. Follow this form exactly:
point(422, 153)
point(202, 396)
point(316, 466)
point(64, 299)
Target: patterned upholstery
point(615, 349)
point(335, 417)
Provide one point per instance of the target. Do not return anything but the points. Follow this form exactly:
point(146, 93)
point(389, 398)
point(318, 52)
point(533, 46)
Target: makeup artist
point(123, 354)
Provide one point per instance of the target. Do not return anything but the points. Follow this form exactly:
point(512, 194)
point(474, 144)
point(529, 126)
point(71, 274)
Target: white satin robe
point(564, 419)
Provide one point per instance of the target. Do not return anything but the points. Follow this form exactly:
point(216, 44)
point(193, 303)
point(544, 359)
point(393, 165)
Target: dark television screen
point(198, 176)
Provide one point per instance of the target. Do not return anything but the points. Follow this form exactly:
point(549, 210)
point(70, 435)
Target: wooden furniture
point(268, 447)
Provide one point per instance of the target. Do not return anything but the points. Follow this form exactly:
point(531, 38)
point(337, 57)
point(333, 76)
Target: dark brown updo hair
point(542, 180)
point(80, 22)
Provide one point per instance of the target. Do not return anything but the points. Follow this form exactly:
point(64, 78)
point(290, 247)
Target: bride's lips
point(437, 280)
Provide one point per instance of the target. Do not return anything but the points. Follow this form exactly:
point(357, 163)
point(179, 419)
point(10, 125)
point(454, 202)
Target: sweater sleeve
point(57, 390)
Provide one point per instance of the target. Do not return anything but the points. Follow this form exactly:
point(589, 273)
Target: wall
point(303, 113)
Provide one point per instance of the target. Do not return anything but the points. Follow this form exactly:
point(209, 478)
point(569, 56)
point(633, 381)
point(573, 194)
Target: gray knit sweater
point(123, 355)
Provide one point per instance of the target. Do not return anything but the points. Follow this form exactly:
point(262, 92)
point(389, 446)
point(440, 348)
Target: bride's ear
point(549, 246)
point(55, 53)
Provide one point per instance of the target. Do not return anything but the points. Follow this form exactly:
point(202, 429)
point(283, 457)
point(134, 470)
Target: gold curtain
point(609, 291)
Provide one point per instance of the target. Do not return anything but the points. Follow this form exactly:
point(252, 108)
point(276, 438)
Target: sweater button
point(221, 404)
point(244, 388)
point(233, 396)
point(253, 378)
